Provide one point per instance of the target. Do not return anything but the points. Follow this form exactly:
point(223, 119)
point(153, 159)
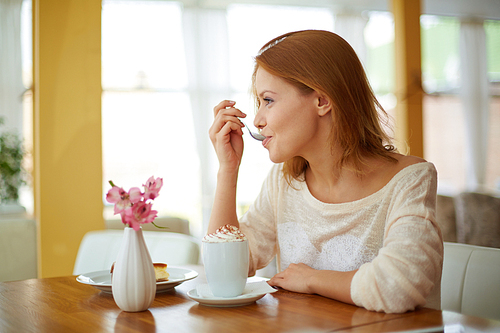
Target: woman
point(347, 216)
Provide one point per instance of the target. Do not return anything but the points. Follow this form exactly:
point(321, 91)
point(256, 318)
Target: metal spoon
point(254, 135)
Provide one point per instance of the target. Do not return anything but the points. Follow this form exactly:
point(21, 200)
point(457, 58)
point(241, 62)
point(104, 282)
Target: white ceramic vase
point(133, 282)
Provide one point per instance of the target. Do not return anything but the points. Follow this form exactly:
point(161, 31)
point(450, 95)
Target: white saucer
point(225, 301)
point(102, 279)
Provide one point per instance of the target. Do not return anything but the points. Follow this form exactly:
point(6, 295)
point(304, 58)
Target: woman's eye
point(268, 100)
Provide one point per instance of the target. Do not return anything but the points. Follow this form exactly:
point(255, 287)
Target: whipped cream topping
point(226, 233)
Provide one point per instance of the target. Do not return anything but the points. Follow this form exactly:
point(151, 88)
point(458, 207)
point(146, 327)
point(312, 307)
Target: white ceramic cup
point(226, 267)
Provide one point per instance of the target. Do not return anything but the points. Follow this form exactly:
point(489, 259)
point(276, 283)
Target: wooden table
point(62, 304)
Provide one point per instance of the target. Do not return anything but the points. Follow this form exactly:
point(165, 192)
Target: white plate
point(102, 279)
point(225, 301)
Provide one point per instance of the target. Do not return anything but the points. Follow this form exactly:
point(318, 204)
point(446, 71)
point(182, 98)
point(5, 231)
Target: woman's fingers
point(222, 105)
point(226, 133)
point(229, 123)
point(228, 128)
point(294, 278)
point(225, 113)
point(227, 108)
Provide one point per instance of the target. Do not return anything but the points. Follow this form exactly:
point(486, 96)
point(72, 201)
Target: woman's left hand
point(295, 278)
point(307, 280)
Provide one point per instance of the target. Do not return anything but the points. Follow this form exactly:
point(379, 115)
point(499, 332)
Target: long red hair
point(316, 60)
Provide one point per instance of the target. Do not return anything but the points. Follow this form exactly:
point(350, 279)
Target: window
point(443, 116)
point(444, 125)
point(440, 53)
point(492, 29)
point(26, 194)
point(444, 122)
point(379, 37)
point(147, 126)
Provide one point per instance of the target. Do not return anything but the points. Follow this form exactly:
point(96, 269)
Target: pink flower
point(122, 199)
point(133, 206)
point(139, 213)
point(152, 188)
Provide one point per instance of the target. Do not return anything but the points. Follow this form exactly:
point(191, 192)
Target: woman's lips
point(266, 140)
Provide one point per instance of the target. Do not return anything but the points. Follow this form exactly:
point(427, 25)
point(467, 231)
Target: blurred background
point(165, 64)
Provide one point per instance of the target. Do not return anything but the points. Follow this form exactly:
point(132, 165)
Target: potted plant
point(11, 169)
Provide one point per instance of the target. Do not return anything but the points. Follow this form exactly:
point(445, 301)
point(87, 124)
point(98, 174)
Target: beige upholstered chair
point(471, 280)
point(18, 259)
point(99, 249)
point(445, 217)
point(173, 224)
point(478, 219)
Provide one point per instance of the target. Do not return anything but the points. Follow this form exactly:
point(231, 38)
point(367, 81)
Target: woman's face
point(289, 119)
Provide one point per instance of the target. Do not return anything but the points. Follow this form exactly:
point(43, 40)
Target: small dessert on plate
point(161, 273)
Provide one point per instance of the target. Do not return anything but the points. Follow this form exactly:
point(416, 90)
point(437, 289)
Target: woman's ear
point(324, 105)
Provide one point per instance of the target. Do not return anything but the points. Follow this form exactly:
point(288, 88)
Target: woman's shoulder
point(407, 160)
point(403, 166)
point(407, 164)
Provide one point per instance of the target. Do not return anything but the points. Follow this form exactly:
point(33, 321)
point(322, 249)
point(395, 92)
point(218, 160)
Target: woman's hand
point(304, 279)
point(226, 134)
point(295, 278)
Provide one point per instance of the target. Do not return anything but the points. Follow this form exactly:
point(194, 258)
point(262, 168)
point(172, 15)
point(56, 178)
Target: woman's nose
point(259, 120)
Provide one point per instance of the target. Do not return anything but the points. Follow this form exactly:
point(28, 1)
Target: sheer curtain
point(11, 85)
point(351, 27)
point(147, 125)
point(207, 58)
point(475, 99)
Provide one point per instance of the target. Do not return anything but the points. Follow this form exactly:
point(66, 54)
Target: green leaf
point(159, 227)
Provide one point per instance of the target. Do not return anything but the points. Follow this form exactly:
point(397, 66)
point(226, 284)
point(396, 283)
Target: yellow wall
point(67, 128)
point(408, 91)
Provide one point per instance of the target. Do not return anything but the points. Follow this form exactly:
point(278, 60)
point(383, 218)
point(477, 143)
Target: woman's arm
point(304, 279)
point(399, 279)
point(226, 136)
point(406, 270)
point(224, 207)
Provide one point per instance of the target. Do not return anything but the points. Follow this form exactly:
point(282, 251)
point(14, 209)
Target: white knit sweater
point(391, 236)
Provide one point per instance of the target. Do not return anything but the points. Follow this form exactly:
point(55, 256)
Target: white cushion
point(471, 280)
point(481, 293)
point(455, 262)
